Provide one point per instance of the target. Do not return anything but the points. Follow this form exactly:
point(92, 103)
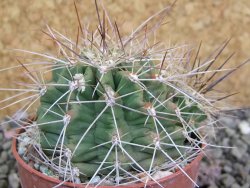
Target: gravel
point(8, 167)
point(229, 167)
point(222, 168)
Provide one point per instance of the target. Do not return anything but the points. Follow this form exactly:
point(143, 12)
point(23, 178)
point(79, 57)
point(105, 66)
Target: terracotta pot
point(31, 178)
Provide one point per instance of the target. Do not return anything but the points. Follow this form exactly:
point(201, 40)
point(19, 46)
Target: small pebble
point(107, 183)
point(235, 185)
point(227, 169)
point(21, 150)
point(217, 153)
point(225, 142)
point(26, 140)
point(43, 169)
point(7, 145)
point(77, 180)
point(4, 169)
point(3, 157)
point(238, 152)
point(230, 132)
point(161, 174)
point(246, 139)
point(13, 180)
point(95, 180)
point(227, 121)
point(228, 180)
point(244, 127)
point(36, 166)
point(26, 159)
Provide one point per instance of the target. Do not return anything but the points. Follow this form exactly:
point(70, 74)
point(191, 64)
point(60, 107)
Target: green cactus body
point(121, 116)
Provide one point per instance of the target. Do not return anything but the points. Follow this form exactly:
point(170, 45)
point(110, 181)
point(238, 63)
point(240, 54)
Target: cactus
point(114, 114)
point(117, 106)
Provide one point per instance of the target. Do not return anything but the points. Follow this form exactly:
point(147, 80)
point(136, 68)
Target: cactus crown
point(117, 106)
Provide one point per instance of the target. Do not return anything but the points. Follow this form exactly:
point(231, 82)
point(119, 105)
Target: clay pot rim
point(56, 181)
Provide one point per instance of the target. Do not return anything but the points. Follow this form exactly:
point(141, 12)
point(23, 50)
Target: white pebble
point(77, 180)
point(107, 183)
point(44, 169)
point(95, 180)
point(21, 150)
point(161, 174)
point(36, 166)
point(26, 140)
point(244, 127)
point(25, 159)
